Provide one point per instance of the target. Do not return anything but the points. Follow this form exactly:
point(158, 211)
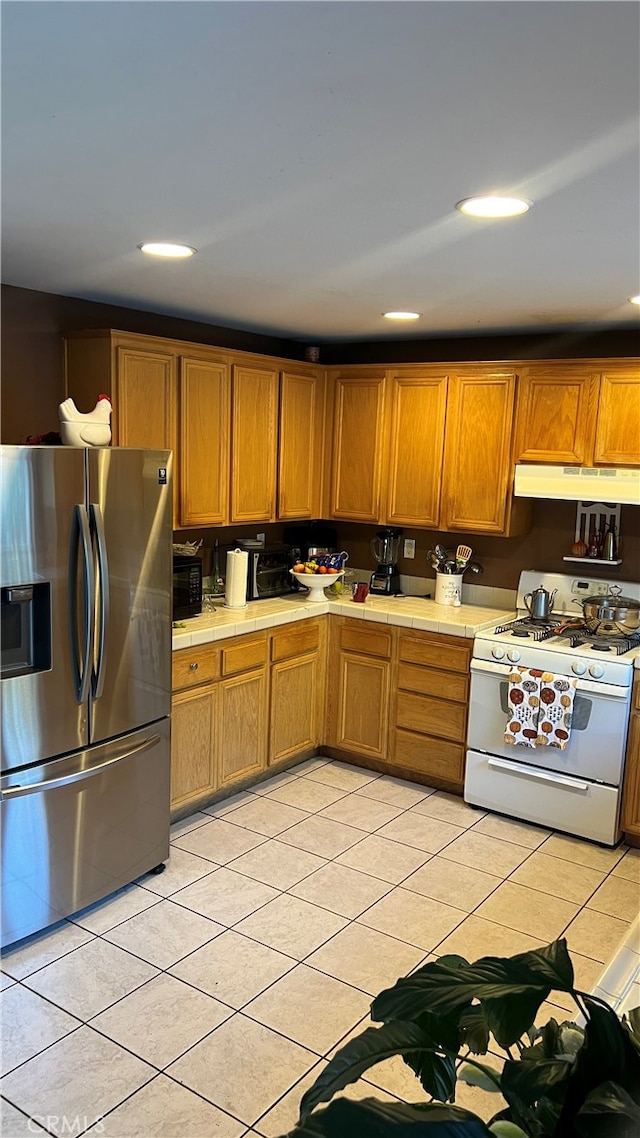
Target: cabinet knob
point(194, 666)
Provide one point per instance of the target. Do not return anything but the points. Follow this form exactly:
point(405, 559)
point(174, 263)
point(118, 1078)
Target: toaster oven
point(268, 574)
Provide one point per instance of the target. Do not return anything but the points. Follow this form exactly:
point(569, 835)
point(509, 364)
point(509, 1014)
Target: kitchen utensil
point(463, 557)
point(475, 567)
point(611, 614)
point(440, 552)
point(539, 603)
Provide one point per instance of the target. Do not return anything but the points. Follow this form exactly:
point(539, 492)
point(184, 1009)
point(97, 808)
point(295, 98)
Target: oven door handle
point(538, 776)
point(606, 691)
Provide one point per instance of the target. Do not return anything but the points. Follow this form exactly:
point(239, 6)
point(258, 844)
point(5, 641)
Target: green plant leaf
point(478, 1075)
point(505, 1129)
point(474, 1029)
point(607, 1055)
point(633, 1027)
point(552, 964)
point(373, 1046)
point(524, 1083)
point(609, 1112)
point(370, 1118)
point(508, 1016)
point(437, 1073)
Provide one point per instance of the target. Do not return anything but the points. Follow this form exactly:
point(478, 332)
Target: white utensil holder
point(448, 589)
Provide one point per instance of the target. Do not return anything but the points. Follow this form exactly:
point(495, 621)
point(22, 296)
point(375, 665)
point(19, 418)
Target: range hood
point(606, 484)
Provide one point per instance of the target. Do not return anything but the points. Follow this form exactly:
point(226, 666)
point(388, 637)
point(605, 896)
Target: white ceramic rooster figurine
point(90, 430)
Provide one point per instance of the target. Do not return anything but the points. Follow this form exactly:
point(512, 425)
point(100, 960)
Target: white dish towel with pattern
point(540, 708)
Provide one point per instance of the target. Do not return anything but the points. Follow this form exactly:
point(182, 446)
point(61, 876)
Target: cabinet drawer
point(191, 667)
point(243, 654)
point(369, 641)
point(429, 756)
point(448, 652)
point(427, 681)
point(432, 716)
point(295, 639)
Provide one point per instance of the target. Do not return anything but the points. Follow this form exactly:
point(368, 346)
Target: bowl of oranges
point(319, 572)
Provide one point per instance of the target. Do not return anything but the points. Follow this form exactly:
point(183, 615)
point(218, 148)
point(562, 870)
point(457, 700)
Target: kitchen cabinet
point(359, 399)
point(194, 775)
point(219, 717)
point(301, 444)
point(243, 707)
point(478, 472)
point(631, 788)
point(416, 444)
point(205, 397)
point(431, 708)
point(297, 703)
point(581, 414)
point(359, 688)
point(254, 437)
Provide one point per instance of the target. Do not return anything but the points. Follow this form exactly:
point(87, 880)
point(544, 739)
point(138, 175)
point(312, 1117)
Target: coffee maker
point(385, 547)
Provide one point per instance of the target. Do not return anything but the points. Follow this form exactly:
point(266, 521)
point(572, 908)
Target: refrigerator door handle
point(103, 570)
point(78, 775)
point(81, 662)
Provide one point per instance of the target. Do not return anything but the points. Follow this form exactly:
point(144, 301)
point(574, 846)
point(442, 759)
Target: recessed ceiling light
point(493, 205)
point(634, 300)
point(402, 315)
point(166, 249)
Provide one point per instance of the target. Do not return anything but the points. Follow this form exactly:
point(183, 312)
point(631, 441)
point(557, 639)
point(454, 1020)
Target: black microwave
point(268, 573)
point(187, 586)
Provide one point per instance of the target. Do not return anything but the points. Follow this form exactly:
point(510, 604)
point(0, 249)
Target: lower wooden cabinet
point(359, 688)
point(431, 707)
point(631, 793)
point(393, 698)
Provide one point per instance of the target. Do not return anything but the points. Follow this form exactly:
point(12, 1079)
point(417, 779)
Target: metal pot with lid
point(611, 614)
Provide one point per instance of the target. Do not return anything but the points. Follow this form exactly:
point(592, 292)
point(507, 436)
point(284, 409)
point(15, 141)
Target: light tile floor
point(200, 1003)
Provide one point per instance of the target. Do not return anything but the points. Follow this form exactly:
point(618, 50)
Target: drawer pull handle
point(194, 666)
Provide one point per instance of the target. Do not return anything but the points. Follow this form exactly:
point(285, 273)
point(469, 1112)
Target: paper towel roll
point(236, 580)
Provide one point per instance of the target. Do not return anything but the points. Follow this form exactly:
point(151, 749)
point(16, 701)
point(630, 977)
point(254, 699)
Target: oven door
point(596, 746)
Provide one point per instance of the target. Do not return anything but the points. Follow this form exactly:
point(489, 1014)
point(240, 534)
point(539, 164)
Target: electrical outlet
point(261, 537)
point(409, 547)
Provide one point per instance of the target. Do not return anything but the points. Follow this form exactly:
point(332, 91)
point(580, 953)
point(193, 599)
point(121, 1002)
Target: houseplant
point(564, 1080)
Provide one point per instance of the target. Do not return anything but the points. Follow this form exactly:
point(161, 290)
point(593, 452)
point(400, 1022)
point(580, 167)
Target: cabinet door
point(357, 447)
point(294, 705)
point(618, 428)
point(204, 442)
point(242, 726)
point(362, 706)
point(416, 446)
point(193, 763)
point(300, 467)
point(254, 443)
point(555, 416)
point(478, 466)
point(144, 402)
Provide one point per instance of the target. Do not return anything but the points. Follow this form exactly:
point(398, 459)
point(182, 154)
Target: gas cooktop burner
point(617, 645)
point(532, 629)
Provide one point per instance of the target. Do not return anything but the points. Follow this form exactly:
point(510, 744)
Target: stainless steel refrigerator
point(85, 679)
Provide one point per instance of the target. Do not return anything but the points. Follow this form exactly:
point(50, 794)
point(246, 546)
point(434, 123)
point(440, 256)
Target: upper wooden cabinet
point(617, 441)
point(204, 441)
point(416, 442)
point(300, 451)
point(358, 438)
point(581, 414)
point(254, 437)
point(477, 457)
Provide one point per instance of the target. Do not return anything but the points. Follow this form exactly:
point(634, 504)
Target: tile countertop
point(406, 612)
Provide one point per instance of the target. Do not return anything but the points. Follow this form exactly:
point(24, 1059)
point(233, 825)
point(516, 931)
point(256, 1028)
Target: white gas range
point(576, 789)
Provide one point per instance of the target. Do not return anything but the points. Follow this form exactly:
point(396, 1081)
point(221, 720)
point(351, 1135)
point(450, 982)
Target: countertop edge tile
point(464, 620)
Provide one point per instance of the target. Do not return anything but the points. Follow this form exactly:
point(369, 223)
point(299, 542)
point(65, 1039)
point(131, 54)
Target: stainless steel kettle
point(540, 603)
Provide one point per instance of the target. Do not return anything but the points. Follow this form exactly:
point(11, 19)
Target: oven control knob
point(513, 655)
point(597, 671)
point(579, 668)
point(497, 653)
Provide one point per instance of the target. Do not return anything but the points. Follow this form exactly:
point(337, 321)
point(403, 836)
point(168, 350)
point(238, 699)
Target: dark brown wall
point(503, 558)
point(32, 365)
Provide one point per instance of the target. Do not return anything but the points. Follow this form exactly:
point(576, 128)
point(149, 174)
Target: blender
point(385, 547)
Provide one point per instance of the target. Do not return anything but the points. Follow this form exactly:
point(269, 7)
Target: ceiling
point(313, 153)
